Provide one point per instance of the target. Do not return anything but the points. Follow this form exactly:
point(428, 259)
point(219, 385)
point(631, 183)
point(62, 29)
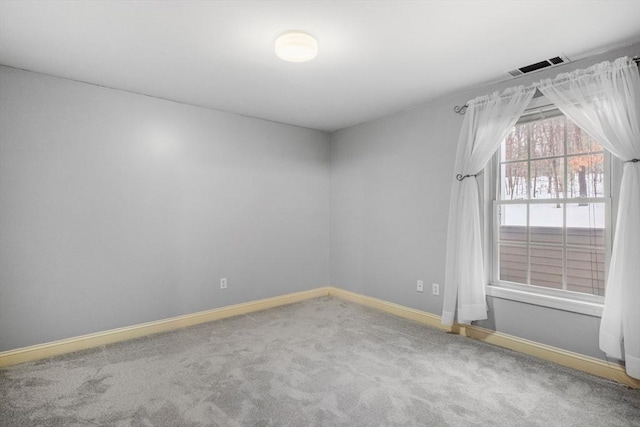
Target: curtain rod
point(463, 109)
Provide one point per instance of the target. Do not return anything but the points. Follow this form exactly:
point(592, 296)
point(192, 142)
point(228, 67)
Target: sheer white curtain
point(486, 123)
point(604, 100)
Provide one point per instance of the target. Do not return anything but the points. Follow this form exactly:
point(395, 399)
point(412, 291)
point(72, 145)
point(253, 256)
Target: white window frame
point(554, 298)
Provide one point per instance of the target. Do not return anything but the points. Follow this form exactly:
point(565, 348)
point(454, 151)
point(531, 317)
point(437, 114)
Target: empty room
point(320, 213)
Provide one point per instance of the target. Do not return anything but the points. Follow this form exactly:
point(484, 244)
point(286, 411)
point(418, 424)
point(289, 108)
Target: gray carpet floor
point(322, 362)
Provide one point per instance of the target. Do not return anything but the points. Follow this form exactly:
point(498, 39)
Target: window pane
point(586, 175)
point(585, 271)
point(547, 178)
point(512, 221)
point(513, 263)
point(578, 141)
point(546, 222)
point(546, 266)
point(514, 181)
point(547, 137)
point(585, 224)
point(515, 146)
point(542, 239)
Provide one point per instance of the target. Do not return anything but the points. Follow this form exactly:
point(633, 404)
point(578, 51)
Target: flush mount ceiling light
point(296, 46)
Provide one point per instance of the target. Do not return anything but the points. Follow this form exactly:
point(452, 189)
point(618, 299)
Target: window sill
point(566, 304)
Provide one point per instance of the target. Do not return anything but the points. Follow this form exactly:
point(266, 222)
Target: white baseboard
point(41, 351)
point(389, 307)
point(562, 357)
point(566, 358)
point(591, 365)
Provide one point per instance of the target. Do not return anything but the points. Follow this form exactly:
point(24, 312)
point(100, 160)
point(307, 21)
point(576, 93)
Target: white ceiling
point(376, 57)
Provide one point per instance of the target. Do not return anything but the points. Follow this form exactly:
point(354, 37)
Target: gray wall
point(118, 209)
point(390, 185)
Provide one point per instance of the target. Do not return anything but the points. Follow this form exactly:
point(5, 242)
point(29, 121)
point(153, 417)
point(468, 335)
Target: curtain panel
point(604, 100)
point(486, 123)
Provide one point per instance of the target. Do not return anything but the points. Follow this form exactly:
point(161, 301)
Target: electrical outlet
point(436, 289)
point(223, 283)
point(420, 286)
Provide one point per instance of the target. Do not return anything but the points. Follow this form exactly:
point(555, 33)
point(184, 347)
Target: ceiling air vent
point(539, 65)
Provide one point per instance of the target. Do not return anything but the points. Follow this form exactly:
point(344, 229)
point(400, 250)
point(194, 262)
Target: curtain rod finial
point(461, 110)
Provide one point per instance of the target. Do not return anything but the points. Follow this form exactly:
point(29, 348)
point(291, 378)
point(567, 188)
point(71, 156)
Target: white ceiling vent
point(539, 65)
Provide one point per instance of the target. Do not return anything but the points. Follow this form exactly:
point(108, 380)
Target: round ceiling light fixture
point(296, 46)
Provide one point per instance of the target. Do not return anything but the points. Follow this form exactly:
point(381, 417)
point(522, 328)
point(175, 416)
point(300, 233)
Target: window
point(551, 212)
